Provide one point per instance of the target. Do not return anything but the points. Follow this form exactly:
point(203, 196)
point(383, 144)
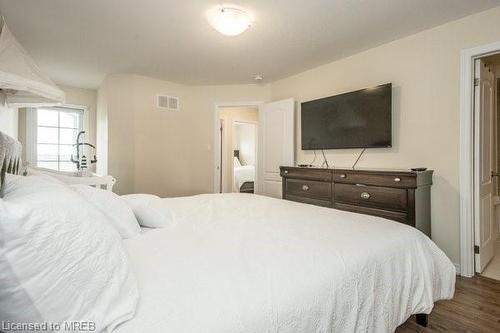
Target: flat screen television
point(357, 119)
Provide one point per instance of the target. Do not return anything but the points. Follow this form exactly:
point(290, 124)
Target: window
point(54, 133)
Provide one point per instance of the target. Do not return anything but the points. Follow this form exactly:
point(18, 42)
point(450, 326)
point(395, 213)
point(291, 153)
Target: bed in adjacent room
point(244, 175)
point(230, 263)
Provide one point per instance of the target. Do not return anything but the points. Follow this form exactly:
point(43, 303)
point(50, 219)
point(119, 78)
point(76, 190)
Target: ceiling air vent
point(166, 102)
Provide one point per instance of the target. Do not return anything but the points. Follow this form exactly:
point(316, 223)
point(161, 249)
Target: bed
point(244, 175)
point(240, 263)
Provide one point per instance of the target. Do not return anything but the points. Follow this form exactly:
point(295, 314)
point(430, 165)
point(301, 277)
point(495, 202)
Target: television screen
point(358, 119)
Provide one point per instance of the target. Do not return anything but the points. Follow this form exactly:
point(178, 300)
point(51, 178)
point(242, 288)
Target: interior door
point(275, 145)
point(485, 134)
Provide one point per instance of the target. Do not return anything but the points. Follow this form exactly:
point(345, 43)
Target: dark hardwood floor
point(475, 308)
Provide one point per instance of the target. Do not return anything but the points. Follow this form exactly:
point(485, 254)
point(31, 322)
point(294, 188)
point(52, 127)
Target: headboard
point(10, 157)
point(236, 153)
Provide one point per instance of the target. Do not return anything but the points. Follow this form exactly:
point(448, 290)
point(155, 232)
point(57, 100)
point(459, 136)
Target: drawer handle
point(305, 188)
point(285, 172)
point(343, 175)
point(397, 179)
point(365, 195)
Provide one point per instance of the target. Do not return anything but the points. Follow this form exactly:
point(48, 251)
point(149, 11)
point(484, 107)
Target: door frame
point(469, 156)
point(217, 132)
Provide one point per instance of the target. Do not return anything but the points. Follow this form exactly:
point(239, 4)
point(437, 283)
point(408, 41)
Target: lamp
point(229, 21)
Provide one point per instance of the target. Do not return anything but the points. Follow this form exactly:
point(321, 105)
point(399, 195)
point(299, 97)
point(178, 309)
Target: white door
point(275, 145)
point(485, 133)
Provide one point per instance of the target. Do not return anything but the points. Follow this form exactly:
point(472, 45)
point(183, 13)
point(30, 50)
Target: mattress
point(247, 263)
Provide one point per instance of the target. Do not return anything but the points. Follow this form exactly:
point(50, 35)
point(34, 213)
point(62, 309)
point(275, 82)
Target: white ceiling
point(78, 42)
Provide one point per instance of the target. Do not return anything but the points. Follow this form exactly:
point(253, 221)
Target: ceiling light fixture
point(229, 21)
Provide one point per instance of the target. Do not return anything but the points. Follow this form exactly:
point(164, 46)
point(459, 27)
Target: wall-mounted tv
point(358, 119)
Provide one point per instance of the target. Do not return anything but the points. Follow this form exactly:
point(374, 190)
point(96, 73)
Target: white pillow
point(236, 162)
point(113, 206)
point(16, 185)
point(149, 210)
point(59, 260)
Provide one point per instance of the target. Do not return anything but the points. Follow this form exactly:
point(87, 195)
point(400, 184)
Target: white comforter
point(243, 174)
point(246, 263)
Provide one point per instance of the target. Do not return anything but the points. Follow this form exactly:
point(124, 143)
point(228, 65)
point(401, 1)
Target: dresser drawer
point(324, 175)
point(323, 203)
point(390, 180)
point(385, 213)
point(309, 189)
point(372, 196)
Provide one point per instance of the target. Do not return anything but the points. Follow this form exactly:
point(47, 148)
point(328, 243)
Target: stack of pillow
point(62, 258)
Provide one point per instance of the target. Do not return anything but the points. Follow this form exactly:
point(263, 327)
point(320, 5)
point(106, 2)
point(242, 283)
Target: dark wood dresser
point(403, 196)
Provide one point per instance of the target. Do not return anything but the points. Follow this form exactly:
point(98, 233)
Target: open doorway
point(486, 104)
point(486, 185)
point(274, 143)
point(236, 155)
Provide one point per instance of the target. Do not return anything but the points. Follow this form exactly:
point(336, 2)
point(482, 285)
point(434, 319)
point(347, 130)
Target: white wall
point(116, 130)
point(102, 131)
point(165, 153)
point(425, 72)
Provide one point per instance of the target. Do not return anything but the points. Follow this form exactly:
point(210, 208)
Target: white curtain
point(21, 80)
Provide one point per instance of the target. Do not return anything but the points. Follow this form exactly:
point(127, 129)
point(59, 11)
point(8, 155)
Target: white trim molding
point(467, 154)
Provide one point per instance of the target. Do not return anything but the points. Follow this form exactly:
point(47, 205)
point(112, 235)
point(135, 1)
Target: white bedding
point(146, 229)
point(243, 174)
point(61, 260)
point(246, 263)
